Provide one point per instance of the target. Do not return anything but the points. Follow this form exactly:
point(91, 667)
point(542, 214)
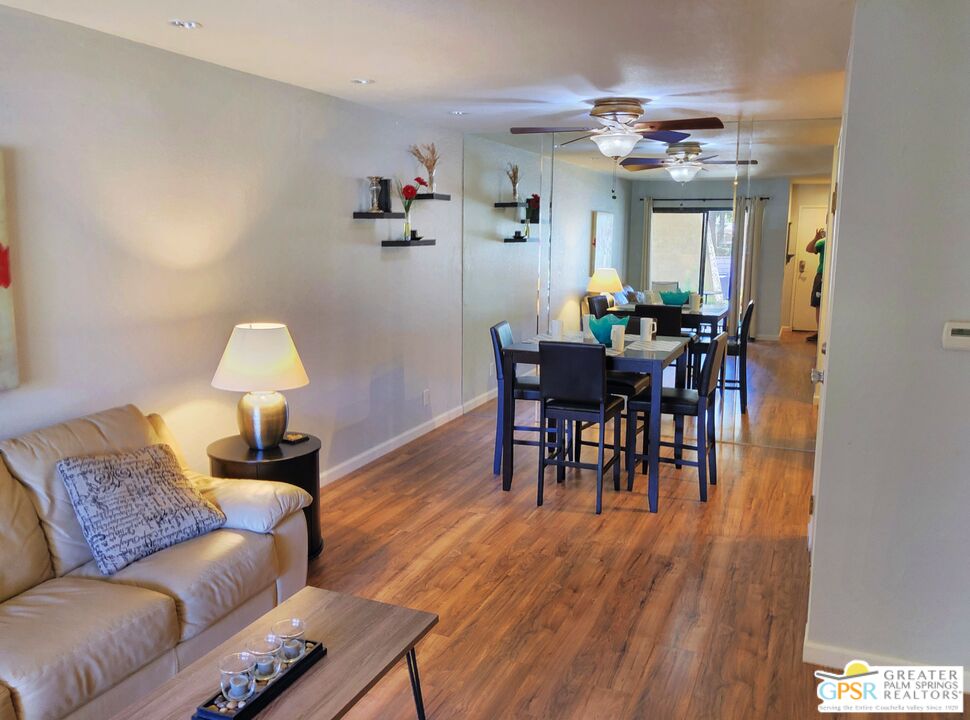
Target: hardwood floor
point(553, 612)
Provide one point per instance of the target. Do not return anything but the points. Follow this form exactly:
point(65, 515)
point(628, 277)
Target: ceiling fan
point(622, 131)
point(683, 161)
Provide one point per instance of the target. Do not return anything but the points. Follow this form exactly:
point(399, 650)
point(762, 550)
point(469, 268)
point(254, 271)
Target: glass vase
point(407, 224)
point(432, 187)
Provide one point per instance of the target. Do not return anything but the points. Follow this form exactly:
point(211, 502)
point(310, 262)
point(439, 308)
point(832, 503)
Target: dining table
point(713, 315)
point(650, 357)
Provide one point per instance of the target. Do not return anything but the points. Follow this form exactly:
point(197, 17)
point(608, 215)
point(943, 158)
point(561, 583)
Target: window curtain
point(748, 222)
point(645, 245)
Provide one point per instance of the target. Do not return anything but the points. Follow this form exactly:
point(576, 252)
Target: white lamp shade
point(616, 143)
point(684, 172)
point(260, 357)
point(605, 280)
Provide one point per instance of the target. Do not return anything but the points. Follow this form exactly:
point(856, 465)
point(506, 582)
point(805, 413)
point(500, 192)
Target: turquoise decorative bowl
point(602, 328)
point(675, 297)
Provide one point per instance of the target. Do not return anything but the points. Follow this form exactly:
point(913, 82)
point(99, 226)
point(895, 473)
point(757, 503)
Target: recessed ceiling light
point(185, 24)
point(362, 81)
point(459, 112)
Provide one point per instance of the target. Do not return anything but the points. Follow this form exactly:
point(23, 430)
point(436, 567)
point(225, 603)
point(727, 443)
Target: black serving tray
point(265, 694)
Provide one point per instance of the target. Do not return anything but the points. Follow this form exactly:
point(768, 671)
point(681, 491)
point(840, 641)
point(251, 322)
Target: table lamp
point(260, 360)
point(605, 281)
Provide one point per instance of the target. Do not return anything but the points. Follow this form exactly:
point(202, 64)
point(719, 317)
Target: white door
point(810, 217)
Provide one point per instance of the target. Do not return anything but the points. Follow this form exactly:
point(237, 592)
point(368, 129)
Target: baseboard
point(834, 657)
point(470, 405)
point(768, 338)
point(358, 461)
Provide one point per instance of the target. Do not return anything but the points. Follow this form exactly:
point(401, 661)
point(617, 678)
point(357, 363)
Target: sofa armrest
point(6, 705)
point(254, 505)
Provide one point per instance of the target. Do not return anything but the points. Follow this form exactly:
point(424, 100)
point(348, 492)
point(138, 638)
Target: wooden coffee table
point(364, 640)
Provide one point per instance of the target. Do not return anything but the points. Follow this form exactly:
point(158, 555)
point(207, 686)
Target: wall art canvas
point(9, 373)
point(602, 246)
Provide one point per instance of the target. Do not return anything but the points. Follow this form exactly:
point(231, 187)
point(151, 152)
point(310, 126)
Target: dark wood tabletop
point(364, 640)
point(235, 449)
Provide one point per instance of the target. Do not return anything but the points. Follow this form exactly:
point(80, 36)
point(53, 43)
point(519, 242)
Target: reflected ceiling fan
point(621, 130)
point(683, 161)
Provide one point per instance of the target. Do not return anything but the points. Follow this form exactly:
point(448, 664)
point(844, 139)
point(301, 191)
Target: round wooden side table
point(297, 464)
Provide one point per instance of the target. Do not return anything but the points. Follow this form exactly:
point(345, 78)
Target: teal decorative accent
point(675, 297)
point(602, 327)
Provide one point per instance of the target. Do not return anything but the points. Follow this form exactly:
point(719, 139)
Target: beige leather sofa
point(76, 644)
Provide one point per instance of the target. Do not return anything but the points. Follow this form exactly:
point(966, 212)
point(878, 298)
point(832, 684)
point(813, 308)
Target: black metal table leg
point(412, 659)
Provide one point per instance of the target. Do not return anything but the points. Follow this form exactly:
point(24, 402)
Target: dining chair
point(737, 347)
point(662, 286)
point(598, 305)
point(669, 317)
point(526, 387)
point(572, 386)
point(681, 403)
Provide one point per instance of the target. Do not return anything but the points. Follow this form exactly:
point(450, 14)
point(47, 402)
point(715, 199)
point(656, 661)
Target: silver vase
point(375, 193)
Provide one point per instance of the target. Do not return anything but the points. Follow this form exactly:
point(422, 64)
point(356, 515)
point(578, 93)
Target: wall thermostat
point(956, 335)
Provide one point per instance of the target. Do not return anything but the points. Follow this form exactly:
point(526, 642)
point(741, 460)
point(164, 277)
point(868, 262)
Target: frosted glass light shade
point(616, 143)
point(260, 357)
point(684, 172)
point(605, 280)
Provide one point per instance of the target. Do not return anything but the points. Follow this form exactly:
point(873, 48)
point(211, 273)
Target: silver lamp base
point(262, 418)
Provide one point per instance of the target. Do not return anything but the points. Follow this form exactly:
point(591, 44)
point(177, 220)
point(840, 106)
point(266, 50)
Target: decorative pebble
point(232, 704)
point(241, 705)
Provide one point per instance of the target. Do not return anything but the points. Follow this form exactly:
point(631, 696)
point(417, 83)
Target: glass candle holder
point(238, 677)
point(267, 652)
point(291, 632)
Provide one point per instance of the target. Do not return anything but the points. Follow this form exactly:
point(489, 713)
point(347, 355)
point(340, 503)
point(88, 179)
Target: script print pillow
point(133, 504)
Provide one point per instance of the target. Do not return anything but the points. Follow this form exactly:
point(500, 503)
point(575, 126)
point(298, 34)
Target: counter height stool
point(572, 386)
point(682, 402)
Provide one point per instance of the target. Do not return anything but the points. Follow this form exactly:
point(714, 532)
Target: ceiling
point(508, 62)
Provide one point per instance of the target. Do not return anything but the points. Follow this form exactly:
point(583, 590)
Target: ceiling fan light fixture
point(616, 143)
point(684, 172)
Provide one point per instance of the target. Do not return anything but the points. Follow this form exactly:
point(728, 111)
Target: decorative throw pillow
point(133, 504)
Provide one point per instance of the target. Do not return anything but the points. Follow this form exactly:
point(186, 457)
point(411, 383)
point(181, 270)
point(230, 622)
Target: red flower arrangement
point(533, 208)
point(409, 192)
point(5, 278)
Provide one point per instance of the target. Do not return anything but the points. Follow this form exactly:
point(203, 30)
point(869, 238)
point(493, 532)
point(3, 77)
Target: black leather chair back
point(707, 383)
point(745, 329)
point(573, 372)
point(501, 336)
point(669, 318)
point(598, 305)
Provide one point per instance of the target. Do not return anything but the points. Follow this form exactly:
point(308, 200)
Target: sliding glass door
point(692, 247)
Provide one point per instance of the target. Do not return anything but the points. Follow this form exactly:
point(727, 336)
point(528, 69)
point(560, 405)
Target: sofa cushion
point(254, 505)
point(32, 458)
point(67, 640)
point(208, 576)
point(24, 558)
point(133, 504)
point(165, 436)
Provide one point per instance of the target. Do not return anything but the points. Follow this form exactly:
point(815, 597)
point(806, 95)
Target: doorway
point(810, 217)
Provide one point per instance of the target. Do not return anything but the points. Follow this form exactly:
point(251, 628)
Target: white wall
point(774, 234)
point(157, 200)
point(890, 575)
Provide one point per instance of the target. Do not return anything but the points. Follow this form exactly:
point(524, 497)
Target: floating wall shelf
point(378, 215)
point(517, 204)
point(522, 239)
point(408, 243)
point(432, 196)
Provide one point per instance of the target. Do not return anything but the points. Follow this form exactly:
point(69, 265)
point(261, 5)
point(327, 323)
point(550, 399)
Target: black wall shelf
point(516, 204)
point(432, 196)
point(378, 215)
point(522, 239)
point(408, 243)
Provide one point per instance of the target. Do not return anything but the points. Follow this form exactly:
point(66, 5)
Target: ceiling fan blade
point(642, 162)
point(665, 136)
point(731, 162)
point(581, 137)
point(638, 168)
point(527, 130)
point(708, 123)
